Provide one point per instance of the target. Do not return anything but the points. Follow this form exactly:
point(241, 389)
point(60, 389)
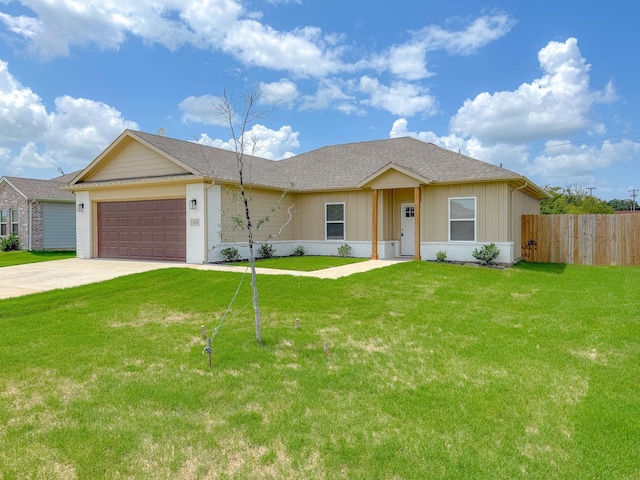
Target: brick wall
point(12, 200)
point(37, 230)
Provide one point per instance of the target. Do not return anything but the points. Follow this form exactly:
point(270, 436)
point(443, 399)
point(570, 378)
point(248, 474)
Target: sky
point(547, 89)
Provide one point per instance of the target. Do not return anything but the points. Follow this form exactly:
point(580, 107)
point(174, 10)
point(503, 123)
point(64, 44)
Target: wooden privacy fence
point(582, 239)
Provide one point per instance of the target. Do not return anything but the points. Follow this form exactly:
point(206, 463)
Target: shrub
point(344, 250)
point(12, 242)
point(487, 254)
point(230, 254)
point(441, 255)
point(298, 251)
point(266, 251)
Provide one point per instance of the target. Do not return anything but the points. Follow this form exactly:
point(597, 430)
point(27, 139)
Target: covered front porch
point(396, 212)
point(396, 222)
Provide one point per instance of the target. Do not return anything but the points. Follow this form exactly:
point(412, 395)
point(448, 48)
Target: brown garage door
point(145, 230)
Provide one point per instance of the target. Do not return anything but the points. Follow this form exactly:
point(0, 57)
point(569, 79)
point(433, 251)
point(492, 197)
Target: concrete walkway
point(39, 277)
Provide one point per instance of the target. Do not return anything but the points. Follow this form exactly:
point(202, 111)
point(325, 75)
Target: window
point(462, 219)
point(3, 223)
point(334, 221)
point(14, 222)
point(409, 212)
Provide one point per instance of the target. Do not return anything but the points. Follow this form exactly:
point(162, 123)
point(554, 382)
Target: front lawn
point(432, 371)
point(18, 257)
point(304, 263)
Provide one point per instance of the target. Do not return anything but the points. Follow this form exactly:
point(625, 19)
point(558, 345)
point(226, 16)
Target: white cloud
point(555, 105)
point(30, 157)
point(72, 135)
point(303, 51)
point(270, 144)
point(209, 24)
point(479, 33)
point(409, 60)
point(81, 128)
point(22, 115)
point(202, 109)
point(283, 92)
point(565, 162)
point(400, 98)
point(330, 94)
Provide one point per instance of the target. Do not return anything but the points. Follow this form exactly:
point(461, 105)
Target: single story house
point(153, 197)
point(40, 212)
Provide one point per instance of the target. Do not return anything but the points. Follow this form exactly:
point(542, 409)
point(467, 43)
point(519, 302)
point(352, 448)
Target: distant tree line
point(576, 200)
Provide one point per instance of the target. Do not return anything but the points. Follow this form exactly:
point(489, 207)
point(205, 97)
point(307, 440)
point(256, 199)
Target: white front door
point(407, 228)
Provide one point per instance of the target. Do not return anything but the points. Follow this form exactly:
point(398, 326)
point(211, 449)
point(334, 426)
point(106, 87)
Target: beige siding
point(136, 161)
point(492, 215)
point(310, 214)
point(264, 203)
point(393, 179)
point(386, 215)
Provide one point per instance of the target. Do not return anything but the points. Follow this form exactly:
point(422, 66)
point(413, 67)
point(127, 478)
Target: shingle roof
point(35, 189)
point(334, 167)
point(219, 163)
point(344, 166)
point(339, 166)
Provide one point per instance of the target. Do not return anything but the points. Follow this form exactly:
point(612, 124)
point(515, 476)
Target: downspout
point(30, 229)
point(526, 184)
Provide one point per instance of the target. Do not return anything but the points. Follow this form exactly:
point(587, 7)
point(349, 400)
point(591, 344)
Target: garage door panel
point(143, 230)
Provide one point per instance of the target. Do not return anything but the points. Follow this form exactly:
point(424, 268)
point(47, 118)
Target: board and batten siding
point(492, 211)
point(279, 227)
point(309, 218)
point(59, 226)
point(135, 160)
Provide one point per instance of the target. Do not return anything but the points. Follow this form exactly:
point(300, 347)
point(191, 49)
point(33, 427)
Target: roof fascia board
point(138, 182)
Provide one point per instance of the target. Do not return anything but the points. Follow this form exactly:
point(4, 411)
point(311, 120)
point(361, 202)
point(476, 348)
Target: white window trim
point(14, 221)
point(475, 219)
point(6, 223)
point(343, 221)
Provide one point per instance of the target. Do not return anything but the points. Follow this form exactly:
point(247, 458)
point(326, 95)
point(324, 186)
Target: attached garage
point(143, 230)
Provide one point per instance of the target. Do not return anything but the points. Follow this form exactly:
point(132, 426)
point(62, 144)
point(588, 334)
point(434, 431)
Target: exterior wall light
point(193, 203)
point(81, 207)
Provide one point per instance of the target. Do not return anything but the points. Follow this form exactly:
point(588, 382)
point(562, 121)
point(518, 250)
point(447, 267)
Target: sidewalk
point(40, 277)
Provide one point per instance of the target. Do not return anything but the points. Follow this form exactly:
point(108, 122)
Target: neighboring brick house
point(39, 212)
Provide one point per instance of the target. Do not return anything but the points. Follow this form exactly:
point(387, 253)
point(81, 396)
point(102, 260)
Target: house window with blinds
point(334, 221)
point(462, 219)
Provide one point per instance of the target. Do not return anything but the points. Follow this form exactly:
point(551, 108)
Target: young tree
point(239, 115)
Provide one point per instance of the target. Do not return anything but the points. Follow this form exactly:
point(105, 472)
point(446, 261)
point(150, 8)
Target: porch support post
point(416, 220)
point(374, 224)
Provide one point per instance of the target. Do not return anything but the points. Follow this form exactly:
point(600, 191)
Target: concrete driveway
point(39, 277)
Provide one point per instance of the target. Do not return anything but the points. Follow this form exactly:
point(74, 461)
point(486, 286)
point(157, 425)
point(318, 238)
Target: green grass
point(433, 371)
point(18, 257)
point(304, 263)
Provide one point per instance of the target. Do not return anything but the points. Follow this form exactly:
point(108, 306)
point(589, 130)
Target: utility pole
point(634, 194)
point(591, 189)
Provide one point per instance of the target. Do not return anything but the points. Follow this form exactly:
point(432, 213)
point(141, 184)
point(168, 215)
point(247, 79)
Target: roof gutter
point(526, 184)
